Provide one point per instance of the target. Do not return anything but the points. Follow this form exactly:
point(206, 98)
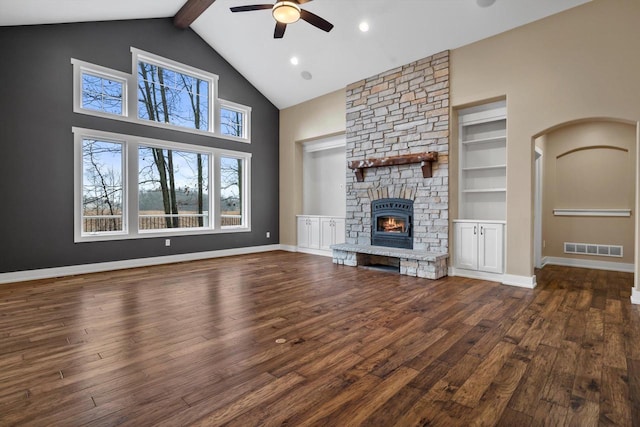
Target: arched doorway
point(586, 194)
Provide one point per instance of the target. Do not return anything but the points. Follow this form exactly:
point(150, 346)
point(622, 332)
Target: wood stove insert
point(391, 222)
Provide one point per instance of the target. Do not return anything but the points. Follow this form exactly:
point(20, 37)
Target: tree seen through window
point(168, 96)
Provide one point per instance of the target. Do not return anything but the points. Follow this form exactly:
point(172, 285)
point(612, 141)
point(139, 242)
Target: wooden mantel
point(425, 160)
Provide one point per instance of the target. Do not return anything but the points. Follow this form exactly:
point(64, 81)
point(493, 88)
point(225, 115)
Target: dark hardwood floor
point(195, 344)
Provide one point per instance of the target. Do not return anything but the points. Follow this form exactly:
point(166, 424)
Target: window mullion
point(246, 199)
point(215, 186)
point(131, 188)
point(132, 94)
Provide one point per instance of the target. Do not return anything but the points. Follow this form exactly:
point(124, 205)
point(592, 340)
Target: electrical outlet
point(268, 234)
point(167, 242)
point(544, 243)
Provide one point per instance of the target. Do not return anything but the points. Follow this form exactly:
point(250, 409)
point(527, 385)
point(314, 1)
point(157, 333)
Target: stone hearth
point(411, 263)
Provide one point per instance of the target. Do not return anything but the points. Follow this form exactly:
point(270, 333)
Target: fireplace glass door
point(392, 224)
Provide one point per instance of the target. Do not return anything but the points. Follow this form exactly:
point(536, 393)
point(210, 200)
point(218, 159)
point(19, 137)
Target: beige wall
point(582, 63)
point(319, 117)
point(582, 171)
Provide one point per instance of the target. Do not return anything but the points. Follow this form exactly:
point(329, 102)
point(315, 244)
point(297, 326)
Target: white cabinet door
point(308, 232)
point(331, 232)
point(314, 233)
point(490, 248)
point(327, 233)
point(339, 230)
point(303, 232)
point(466, 245)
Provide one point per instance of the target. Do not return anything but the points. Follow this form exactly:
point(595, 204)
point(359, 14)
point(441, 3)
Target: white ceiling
point(401, 31)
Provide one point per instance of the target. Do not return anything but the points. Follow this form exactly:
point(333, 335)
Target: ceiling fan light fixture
point(286, 12)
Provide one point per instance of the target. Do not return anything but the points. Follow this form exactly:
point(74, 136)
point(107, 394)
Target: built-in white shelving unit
point(479, 229)
point(483, 162)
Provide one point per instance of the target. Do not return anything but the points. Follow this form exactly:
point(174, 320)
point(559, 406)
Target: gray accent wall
point(36, 142)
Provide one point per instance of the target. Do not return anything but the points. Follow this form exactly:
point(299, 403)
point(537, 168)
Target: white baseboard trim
point(289, 248)
point(635, 296)
point(47, 273)
point(314, 251)
point(528, 282)
point(587, 263)
point(505, 279)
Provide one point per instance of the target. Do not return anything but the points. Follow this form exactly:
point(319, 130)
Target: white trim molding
point(635, 296)
point(327, 143)
point(47, 273)
point(289, 248)
point(314, 251)
point(587, 263)
point(528, 282)
point(592, 212)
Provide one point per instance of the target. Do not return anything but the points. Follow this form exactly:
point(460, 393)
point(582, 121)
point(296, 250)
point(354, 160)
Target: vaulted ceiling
point(400, 31)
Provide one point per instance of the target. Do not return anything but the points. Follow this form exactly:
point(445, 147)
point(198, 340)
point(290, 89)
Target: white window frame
point(234, 106)
point(79, 234)
point(246, 176)
point(131, 145)
point(130, 95)
point(82, 67)
point(138, 55)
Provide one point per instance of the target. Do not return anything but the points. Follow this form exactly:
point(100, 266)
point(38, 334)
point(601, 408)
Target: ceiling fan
point(287, 12)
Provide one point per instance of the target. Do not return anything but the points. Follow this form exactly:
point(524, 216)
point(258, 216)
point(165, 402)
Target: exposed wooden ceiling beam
point(191, 10)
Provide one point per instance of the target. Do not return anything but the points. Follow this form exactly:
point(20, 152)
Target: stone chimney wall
point(402, 111)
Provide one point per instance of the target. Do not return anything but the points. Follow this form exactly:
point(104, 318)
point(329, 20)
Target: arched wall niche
point(588, 166)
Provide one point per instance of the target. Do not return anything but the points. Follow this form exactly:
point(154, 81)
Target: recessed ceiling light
point(485, 3)
point(294, 60)
point(364, 27)
point(306, 75)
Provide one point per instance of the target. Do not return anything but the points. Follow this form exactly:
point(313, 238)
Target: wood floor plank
point(494, 401)
point(633, 376)
point(471, 391)
point(359, 410)
point(614, 394)
point(193, 343)
point(324, 412)
point(264, 394)
point(559, 385)
point(527, 395)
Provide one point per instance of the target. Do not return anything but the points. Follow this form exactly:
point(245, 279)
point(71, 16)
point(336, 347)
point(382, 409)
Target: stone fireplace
point(403, 112)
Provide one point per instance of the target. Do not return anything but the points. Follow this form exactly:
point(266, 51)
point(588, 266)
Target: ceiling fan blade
point(278, 33)
point(316, 21)
point(251, 7)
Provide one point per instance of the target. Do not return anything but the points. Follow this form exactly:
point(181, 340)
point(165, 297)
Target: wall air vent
point(593, 249)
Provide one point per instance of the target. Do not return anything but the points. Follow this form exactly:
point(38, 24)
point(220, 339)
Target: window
point(101, 94)
point(99, 90)
point(173, 189)
point(132, 187)
point(234, 120)
point(162, 93)
point(231, 122)
point(102, 186)
point(231, 191)
point(169, 96)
